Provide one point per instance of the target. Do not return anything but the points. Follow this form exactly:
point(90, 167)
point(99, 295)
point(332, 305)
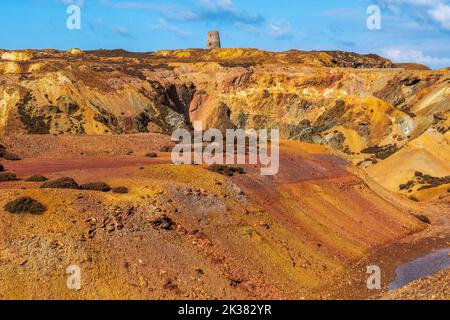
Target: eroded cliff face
point(363, 106)
point(294, 235)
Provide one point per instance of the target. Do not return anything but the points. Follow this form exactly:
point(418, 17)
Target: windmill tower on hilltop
point(213, 40)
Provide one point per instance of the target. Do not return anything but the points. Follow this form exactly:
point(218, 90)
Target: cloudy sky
point(411, 30)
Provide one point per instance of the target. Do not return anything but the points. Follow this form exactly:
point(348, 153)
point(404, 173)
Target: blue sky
point(411, 30)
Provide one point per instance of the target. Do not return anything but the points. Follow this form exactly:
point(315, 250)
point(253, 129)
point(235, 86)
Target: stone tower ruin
point(213, 41)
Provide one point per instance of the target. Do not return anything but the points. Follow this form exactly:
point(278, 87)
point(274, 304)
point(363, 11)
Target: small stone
point(265, 225)
point(151, 155)
point(200, 235)
point(22, 262)
point(164, 223)
point(143, 283)
point(199, 271)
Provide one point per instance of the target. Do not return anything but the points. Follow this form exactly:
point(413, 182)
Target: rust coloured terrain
point(363, 106)
point(289, 236)
point(364, 174)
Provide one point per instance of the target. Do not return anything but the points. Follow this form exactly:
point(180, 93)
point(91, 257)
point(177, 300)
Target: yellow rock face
point(75, 51)
point(354, 129)
point(364, 107)
point(16, 56)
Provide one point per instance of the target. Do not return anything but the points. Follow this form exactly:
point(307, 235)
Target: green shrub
point(423, 218)
point(62, 183)
point(36, 178)
point(121, 190)
point(7, 176)
point(151, 155)
point(226, 170)
point(96, 186)
point(25, 205)
point(166, 149)
point(11, 157)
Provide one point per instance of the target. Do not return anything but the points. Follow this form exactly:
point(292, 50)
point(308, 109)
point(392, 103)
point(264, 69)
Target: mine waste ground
point(87, 179)
point(140, 227)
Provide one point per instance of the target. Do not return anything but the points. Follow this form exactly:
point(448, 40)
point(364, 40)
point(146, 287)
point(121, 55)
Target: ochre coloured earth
point(364, 157)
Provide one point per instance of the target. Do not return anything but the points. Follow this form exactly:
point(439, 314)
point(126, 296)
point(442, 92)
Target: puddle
point(421, 267)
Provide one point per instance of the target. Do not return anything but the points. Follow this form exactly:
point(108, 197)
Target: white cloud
point(199, 10)
point(411, 55)
point(122, 31)
point(163, 25)
point(441, 14)
point(279, 29)
point(79, 3)
point(437, 11)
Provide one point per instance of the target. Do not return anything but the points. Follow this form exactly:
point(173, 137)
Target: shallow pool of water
point(421, 267)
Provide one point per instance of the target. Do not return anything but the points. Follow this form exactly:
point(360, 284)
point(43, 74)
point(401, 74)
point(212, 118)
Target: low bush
point(151, 155)
point(166, 149)
point(25, 205)
point(11, 157)
point(96, 186)
point(7, 176)
point(122, 190)
point(2, 150)
point(407, 185)
point(423, 218)
point(36, 178)
point(226, 170)
point(62, 183)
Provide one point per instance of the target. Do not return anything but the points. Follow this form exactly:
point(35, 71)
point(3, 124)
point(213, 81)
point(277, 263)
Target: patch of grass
point(36, 178)
point(166, 149)
point(121, 190)
point(429, 182)
point(8, 176)
point(25, 205)
point(62, 183)
point(226, 170)
point(381, 152)
point(11, 157)
point(423, 218)
point(96, 186)
point(425, 181)
point(407, 185)
point(151, 155)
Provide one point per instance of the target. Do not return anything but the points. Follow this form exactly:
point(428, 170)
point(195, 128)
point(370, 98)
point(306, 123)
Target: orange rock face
point(354, 128)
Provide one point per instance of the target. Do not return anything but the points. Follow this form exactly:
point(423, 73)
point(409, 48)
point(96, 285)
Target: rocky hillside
point(363, 106)
point(86, 178)
point(179, 232)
